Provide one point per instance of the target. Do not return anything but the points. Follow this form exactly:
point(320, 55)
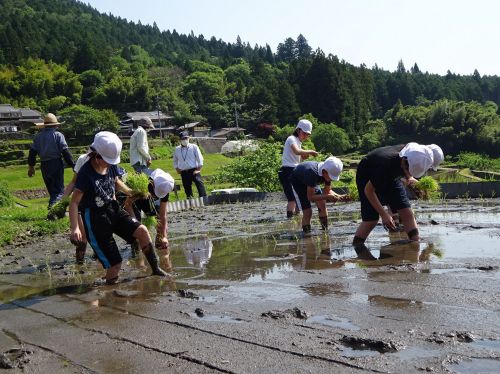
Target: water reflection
point(198, 252)
point(398, 253)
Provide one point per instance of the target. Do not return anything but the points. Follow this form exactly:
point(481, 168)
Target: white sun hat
point(420, 158)
point(164, 183)
point(305, 125)
point(333, 167)
point(437, 154)
point(108, 145)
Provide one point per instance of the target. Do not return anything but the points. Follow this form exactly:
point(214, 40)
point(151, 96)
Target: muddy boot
point(306, 229)
point(154, 261)
point(134, 249)
point(289, 214)
point(80, 253)
point(324, 222)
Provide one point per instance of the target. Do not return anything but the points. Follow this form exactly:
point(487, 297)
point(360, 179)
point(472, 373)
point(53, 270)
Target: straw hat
point(48, 121)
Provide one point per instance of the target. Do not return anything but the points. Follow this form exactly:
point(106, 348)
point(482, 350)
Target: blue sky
point(438, 35)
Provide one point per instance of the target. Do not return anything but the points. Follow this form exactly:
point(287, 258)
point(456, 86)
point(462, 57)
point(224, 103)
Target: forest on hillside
point(66, 57)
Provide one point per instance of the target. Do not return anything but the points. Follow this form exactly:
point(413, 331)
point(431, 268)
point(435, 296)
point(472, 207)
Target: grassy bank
point(27, 222)
point(27, 219)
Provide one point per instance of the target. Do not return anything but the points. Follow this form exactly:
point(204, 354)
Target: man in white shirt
point(188, 162)
point(139, 148)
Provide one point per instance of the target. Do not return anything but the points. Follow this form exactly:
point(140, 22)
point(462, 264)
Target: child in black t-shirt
point(305, 180)
point(160, 185)
point(94, 196)
point(380, 179)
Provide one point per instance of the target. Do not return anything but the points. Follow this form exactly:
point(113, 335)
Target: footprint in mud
point(371, 344)
point(15, 358)
point(278, 314)
point(187, 294)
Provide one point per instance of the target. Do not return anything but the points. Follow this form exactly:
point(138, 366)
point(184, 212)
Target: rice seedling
point(426, 188)
point(138, 183)
point(58, 210)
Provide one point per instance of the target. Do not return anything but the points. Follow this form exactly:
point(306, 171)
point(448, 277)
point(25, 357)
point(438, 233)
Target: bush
point(258, 169)
point(6, 198)
point(475, 161)
point(329, 138)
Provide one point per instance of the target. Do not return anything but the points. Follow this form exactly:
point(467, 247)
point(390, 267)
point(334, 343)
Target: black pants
point(53, 176)
point(187, 181)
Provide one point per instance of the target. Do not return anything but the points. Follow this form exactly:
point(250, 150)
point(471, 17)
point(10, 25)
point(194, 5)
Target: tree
point(83, 121)
point(329, 138)
point(302, 48)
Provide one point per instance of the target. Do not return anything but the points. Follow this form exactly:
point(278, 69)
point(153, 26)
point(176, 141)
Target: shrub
point(329, 138)
point(476, 161)
point(258, 169)
point(6, 198)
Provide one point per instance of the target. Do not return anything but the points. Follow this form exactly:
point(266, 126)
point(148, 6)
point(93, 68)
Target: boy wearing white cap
point(305, 180)
point(380, 179)
point(292, 155)
point(160, 185)
point(94, 196)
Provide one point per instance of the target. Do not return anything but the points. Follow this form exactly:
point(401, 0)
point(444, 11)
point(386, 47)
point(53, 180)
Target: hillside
point(60, 55)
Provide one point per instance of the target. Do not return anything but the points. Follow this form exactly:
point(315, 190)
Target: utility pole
point(236, 115)
point(158, 113)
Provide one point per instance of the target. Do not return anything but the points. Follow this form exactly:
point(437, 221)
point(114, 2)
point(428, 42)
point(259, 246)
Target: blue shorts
point(101, 224)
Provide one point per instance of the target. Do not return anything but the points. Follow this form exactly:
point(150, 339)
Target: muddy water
point(233, 260)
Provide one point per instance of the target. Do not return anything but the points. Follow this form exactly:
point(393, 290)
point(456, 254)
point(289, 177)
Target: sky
point(438, 35)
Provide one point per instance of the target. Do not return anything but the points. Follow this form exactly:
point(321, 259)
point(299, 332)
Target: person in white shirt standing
point(188, 162)
point(292, 155)
point(139, 148)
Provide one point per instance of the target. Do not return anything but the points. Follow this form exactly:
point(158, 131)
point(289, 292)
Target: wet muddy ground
point(248, 293)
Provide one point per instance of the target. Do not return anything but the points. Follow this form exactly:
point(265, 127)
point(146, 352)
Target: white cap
point(438, 155)
point(333, 167)
point(420, 158)
point(305, 125)
point(164, 183)
point(108, 145)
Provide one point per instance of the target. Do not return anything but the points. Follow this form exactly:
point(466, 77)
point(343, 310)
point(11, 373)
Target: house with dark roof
point(196, 129)
point(16, 119)
point(228, 133)
point(161, 122)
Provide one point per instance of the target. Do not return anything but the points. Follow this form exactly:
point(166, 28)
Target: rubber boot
point(289, 214)
point(306, 229)
point(154, 261)
point(324, 222)
point(80, 253)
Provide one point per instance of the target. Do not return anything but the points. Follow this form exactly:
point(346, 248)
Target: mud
point(249, 293)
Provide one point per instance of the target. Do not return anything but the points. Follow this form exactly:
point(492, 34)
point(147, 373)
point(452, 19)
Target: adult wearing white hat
point(381, 177)
point(140, 159)
point(159, 187)
point(293, 154)
point(94, 196)
point(305, 180)
point(50, 145)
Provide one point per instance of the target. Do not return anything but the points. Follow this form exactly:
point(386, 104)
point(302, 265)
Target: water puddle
point(355, 353)
point(337, 322)
point(414, 353)
point(253, 263)
point(476, 365)
point(490, 345)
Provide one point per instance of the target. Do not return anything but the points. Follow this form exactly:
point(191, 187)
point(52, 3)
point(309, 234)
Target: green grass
point(28, 223)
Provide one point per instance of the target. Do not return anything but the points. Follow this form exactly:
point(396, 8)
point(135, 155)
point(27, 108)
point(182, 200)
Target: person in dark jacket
point(381, 178)
point(50, 145)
